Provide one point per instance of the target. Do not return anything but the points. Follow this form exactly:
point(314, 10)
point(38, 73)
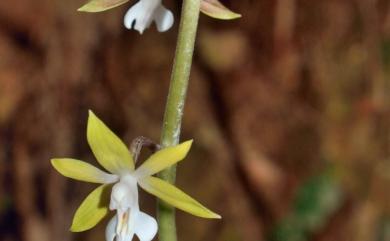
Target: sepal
point(163, 158)
point(82, 171)
point(108, 149)
point(215, 9)
point(92, 210)
point(175, 197)
point(100, 5)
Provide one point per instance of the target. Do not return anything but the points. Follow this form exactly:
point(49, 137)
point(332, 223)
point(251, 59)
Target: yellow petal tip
point(87, 9)
point(227, 16)
point(95, 6)
point(90, 8)
point(236, 15)
point(92, 117)
point(216, 9)
point(90, 112)
point(54, 163)
point(188, 144)
point(74, 229)
point(212, 215)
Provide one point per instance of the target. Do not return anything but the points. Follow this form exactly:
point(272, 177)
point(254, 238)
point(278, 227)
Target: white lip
point(142, 14)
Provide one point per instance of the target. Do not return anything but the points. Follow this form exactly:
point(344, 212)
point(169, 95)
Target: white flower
point(143, 13)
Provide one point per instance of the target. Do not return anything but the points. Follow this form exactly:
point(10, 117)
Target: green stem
point(175, 105)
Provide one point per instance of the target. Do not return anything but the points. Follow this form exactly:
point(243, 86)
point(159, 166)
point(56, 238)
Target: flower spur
point(123, 179)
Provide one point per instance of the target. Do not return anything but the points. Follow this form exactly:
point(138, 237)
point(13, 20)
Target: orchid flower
point(140, 16)
point(123, 180)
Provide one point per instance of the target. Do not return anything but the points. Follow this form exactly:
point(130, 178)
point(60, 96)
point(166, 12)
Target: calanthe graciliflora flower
point(140, 16)
point(119, 189)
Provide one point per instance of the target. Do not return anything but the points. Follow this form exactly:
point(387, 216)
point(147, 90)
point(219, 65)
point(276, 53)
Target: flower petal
point(82, 171)
point(108, 149)
point(145, 227)
point(101, 5)
point(93, 209)
point(175, 197)
point(111, 228)
point(163, 159)
point(164, 18)
point(215, 9)
point(141, 15)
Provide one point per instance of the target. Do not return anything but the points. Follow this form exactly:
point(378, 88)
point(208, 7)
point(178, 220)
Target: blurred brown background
point(288, 107)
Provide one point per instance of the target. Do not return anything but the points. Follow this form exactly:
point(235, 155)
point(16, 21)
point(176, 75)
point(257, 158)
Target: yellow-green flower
point(122, 180)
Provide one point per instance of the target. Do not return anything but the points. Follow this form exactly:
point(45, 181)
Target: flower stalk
point(175, 105)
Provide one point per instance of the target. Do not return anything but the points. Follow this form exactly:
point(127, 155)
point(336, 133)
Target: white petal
point(145, 227)
point(110, 229)
point(144, 12)
point(140, 223)
point(125, 234)
point(164, 18)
